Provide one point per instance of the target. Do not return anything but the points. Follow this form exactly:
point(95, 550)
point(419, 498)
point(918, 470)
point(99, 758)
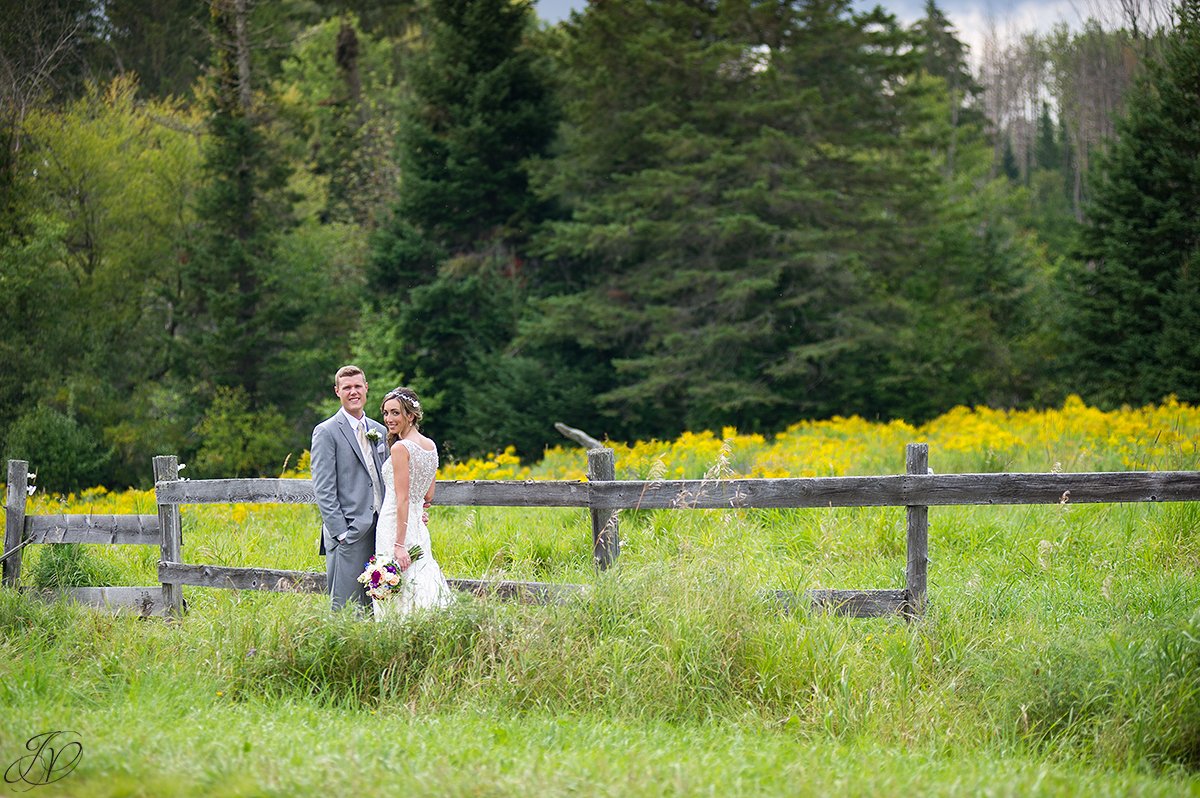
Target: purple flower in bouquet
point(382, 576)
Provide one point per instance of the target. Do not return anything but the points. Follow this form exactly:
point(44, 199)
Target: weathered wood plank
point(578, 435)
point(494, 493)
point(606, 540)
point(14, 520)
point(851, 603)
point(901, 490)
point(223, 576)
point(1086, 488)
point(896, 490)
point(524, 592)
point(170, 524)
point(236, 491)
point(743, 493)
point(281, 581)
point(507, 493)
point(120, 529)
point(916, 459)
point(142, 601)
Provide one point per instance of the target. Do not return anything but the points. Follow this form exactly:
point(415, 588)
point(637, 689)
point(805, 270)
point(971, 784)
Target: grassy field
point(1060, 654)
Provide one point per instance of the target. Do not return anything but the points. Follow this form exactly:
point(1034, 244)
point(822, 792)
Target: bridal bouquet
point(383, 576)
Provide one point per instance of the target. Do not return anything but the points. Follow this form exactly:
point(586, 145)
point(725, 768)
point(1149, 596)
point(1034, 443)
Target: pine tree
point(447, 272)
point(1136, 321)
point(479, 108)
point(944, 56)
point(1047, 151)
point(242, 210)
point(160, 42)
point(732, 186)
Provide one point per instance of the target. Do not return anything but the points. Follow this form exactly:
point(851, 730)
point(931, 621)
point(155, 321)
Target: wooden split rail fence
point(916, 490)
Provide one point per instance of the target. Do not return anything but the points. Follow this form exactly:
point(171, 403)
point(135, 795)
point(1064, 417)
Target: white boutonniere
point(373, 436)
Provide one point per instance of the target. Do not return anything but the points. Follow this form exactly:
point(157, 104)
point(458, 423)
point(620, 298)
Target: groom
point(347, 452)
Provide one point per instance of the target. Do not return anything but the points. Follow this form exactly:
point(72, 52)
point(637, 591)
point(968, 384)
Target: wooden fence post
point(14, 522)
point(916, 461)
point(606, 540)
point(166, 469)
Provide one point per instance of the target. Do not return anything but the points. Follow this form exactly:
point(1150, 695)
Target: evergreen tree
point(1008, 162)
point(943, 55)
point(479, 108)
point(448, 271)
point(1048, 151)
point(1136, 320)
point(242, 210)
point(732, 187)
point(161, 42)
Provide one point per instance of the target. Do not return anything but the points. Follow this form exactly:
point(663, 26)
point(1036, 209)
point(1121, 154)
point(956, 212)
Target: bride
point(409, 474)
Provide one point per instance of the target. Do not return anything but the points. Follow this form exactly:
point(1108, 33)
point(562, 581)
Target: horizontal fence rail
point(142, 601)
point(899, 491)
point(694, 494)
point(855, 603)
point(283, 581)
point(124, 529)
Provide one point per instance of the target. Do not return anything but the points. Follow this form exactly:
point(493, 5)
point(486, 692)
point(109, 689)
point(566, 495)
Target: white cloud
point(1027, 17)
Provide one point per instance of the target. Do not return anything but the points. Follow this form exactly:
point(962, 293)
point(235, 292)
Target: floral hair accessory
point(397, 394)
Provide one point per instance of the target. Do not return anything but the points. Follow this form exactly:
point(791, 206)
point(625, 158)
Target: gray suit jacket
point(342, 485)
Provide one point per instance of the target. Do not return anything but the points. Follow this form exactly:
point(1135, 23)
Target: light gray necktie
point(376, 490)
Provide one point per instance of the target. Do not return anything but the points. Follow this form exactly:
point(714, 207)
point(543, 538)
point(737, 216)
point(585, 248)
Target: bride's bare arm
point(400, 485)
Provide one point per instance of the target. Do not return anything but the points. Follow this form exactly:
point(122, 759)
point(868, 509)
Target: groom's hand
point(425, 513)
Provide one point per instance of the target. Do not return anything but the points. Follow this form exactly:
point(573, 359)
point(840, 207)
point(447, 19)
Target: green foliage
point(337, 87)
point(156, 419)
point(751, 213)
point(943, 55)
point(238, 439)
point(228, 333)
point(479, 107)
point(446, 271)
point(29, 259)
point(518, 396)
point(401, 259)
point(270, 286)
point(161, 43)
point(91, 270)
point(1135, 306)
point(832, 246)
point(65, 455)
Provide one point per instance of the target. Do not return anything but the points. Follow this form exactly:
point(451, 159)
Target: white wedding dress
point(423, 584)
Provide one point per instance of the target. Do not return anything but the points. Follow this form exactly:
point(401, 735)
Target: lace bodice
point(422, 468)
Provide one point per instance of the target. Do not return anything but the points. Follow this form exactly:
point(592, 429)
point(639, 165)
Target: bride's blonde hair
point(409, 404)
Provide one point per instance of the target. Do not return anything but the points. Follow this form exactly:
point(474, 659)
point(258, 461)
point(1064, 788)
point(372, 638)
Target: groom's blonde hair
point(347, 371)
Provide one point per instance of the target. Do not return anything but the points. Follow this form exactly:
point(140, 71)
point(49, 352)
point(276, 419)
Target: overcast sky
point(970, 17)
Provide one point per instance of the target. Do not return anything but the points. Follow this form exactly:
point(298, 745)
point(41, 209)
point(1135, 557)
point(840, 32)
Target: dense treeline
point(653, 216)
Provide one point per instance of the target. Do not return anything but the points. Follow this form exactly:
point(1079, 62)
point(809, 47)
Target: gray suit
point(345, 498)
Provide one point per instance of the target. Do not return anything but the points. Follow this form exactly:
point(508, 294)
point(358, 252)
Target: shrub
point(65, 456)
point(238, 441)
